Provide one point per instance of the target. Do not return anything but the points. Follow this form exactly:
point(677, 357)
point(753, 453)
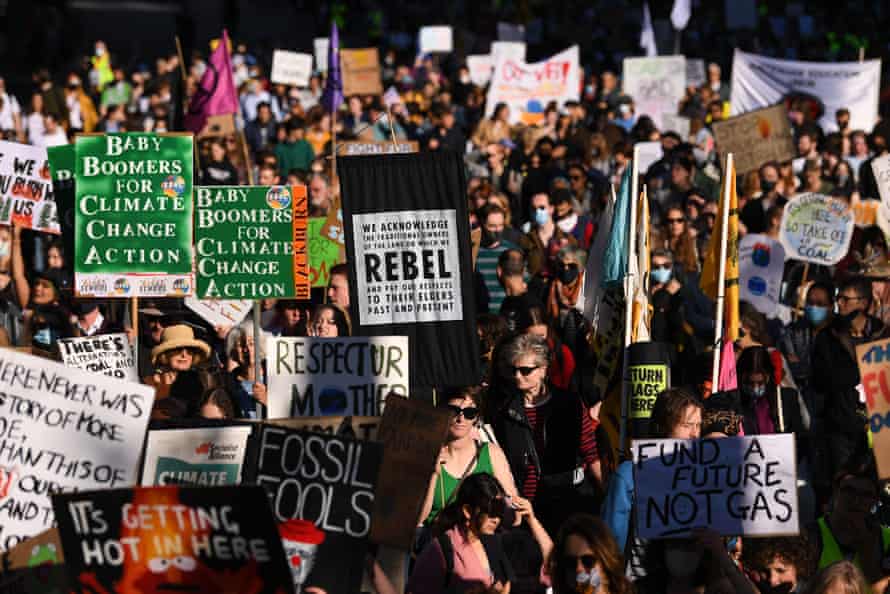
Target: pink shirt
point(429, 571)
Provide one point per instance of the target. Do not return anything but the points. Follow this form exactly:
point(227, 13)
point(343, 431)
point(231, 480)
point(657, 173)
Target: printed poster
point(200, 457)
point(761, 266)
point(109, 354)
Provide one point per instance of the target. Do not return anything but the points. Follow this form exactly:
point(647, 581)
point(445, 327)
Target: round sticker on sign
point(278, 197)
point(816, 228)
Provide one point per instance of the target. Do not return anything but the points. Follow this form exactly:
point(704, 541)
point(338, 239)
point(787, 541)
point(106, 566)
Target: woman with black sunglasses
point(586, 559)
point(462, 454)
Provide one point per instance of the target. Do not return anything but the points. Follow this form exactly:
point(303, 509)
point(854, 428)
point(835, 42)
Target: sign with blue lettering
point(734, 485)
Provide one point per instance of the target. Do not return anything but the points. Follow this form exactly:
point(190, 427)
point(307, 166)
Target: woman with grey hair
point(246, 389)
point(545, 432)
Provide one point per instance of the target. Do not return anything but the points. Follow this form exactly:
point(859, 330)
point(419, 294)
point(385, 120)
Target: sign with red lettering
point(874, 372)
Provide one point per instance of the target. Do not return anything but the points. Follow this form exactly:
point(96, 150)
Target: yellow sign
point(646, 383)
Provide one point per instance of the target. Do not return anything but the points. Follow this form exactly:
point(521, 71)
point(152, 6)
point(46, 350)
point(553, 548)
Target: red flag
point(216, 92)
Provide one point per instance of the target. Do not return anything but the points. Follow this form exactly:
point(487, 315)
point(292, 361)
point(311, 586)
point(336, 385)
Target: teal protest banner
point(133, 220)
point(251, 242)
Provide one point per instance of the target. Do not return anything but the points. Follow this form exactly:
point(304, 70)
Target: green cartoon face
point(41, 554)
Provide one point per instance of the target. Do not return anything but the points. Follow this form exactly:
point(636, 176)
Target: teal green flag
point(615, 257)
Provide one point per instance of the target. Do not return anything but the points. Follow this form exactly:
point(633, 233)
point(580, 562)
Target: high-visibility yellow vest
point(831, 550)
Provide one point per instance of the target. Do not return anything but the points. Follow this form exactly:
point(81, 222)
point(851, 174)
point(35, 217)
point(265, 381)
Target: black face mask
point(847, 320)
point(783, 588)
point(767, 186)
point(568, 274)
point(490, 238)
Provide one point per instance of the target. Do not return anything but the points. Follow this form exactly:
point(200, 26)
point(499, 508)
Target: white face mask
point(568, 223)
point(4, 249)
point(681, 563)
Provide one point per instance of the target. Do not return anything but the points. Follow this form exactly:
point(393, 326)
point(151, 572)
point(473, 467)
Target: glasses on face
point(524, 370)
point(186, 350)
point(679, 221)
point(848, 298)
point(469, 413)
point(588, 561)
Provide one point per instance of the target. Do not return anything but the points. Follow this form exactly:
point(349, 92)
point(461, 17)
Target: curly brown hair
point(794, 550)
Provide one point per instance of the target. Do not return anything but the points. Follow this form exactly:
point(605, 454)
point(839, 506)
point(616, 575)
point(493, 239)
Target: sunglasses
point(588, 561)
point(469, 413)
point(523, 370)
point(672, 221)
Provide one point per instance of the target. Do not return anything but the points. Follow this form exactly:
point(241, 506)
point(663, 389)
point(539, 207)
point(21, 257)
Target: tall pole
point(628, 297)
point(721, 276)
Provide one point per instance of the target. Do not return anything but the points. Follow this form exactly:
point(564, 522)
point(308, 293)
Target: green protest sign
point(251, 242)
point(323, 253)
point(61, 162)
point(133, 226)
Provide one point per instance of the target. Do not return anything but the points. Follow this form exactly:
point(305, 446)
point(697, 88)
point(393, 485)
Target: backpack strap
point(448, 553)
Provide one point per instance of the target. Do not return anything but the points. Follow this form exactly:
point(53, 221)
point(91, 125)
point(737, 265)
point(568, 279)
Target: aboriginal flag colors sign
point(735, 485)
point(207, 540)
point(321, 488)
point(251, 242)
point(62, 429)
point(408, 246)
point(133, 221)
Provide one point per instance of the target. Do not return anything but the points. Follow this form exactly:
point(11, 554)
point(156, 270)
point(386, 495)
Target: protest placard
point(761, 265)
point(678, 124)
point(647, 154)
point(353, 148)
point(755, 138)
point(353, 427)
point(734, 485)
point(26, 188)
point(61, 165)
point(361, 71)
point(334, 376)
point(528, 88)
point(35, 565)
point(865, 212)
point(695, 73)
point(408, 249)
point(320, 47)
point(251, 242)
point(323, 253)
point(108, 354)
point(480, 67)
point(656, 84)
point(507, 50)
point(291, 68)
point(412, 433)
point(219, 126)
point(134, 215)
point(62, 429)
point(220, 540)
point(511, 32)
point(758, 81)
point(435, 39)
point(220, 312)
point(646, 383)
point(321, 488)
point(873, 359)
point(199, 457)
point(880, 166)
point(816, 228)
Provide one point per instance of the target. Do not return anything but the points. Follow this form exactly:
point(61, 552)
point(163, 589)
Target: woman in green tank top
point(462, 455)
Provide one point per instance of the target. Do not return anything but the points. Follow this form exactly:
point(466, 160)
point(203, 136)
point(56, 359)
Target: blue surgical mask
point(542, 216)
point(660, 275)
point(755, 391)
point(816, 314)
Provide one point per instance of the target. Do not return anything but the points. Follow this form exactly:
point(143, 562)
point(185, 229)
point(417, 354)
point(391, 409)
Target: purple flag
point(333, 88)
point(215, 94)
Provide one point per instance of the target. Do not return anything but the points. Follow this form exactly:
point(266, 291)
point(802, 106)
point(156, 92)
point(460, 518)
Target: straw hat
point(176, 337)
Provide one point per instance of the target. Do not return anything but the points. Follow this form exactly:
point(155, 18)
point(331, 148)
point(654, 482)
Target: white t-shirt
point(8, 110)
point(35, 128)
point(57, 138)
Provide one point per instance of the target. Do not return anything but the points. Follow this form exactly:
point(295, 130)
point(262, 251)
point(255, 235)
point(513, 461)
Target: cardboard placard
point(435, 39)
point(320, 47)
point(363, 428)
point(761, 266)
point(865, 212)
point(64, 429)
point(734, 485)
point(334, 376)
point(321, 488)
point(291, 68)
point(412, 433)
point(220, 312)
point(324, 253)
point(648, 153)
point(756, 138)
point(251, 242)
point(356, 148)
point(656, 84)
point(36, 565)
point(816, 228)
point(480, 67)
point(873, 359)
point(199, 457)
point(208, 540)
point(134, 215)
point(361, 71)
point(218, 126)
point(108, 354)
point(26, 188)
point(880, 165)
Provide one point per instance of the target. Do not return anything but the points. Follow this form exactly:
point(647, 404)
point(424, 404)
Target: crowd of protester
point(528, 490)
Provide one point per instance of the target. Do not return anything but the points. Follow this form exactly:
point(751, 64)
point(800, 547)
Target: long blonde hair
point(846, 574)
